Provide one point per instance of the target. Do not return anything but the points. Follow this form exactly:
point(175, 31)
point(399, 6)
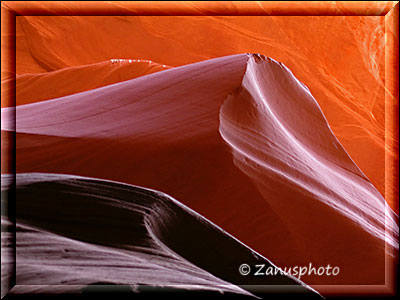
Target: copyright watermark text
point(296, 271)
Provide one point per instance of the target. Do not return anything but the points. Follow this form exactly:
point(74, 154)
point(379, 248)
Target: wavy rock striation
point(238, 139)
point(74, 231)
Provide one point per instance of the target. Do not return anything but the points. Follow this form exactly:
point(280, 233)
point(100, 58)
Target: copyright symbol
point(244, 269)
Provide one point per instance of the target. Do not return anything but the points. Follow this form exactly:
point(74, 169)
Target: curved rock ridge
point(74, 230)
point(126, 104)
point(284, 139)
point(238, 139)
point(345, 60)
point(30, 88)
